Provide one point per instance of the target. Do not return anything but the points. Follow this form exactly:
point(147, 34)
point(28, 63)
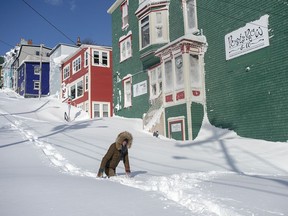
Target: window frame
point(74, 86)
point(37, 69)
point(66, 74)
point(76, 64)
point(36, 82)
point(157, 20)
point(101, 111)
point(86, 58)
point(125, 17)
point(128, 52)
point(158, 82)
point(178, 68)
point(86, 82)
point(127, 96)
point(171, 82)
point(144, 24)
point(187, 17)
point(101, 58)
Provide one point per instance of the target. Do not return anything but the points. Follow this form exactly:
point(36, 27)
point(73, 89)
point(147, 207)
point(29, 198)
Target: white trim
point(63, 71)
point(77, 67)
point(101, 58)
point(101, 111)
point(127, 103)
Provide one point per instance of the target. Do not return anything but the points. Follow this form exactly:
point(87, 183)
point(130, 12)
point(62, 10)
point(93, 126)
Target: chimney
point(78, 42)
point(30, 42)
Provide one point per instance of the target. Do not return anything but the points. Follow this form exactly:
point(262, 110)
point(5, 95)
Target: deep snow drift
point(48, 167)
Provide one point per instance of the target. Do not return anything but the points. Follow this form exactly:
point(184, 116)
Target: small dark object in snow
point(156, 134)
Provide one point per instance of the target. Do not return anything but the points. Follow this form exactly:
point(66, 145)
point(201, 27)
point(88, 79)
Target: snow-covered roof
point(147, 3)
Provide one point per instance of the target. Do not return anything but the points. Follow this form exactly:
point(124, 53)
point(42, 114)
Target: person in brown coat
point(116, 152)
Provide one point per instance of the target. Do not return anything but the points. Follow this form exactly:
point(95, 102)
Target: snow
point(48, 167)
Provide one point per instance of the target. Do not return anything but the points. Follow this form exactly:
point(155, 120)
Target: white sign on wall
point(251, 37)
point(140, 88)
point(176, 127)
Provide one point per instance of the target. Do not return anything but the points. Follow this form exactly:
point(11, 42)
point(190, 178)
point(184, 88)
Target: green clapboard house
point(176, 61)
point(246, 66)
point(158, 65)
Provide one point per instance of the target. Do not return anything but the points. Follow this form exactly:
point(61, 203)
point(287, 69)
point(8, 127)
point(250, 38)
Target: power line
point(49, 22)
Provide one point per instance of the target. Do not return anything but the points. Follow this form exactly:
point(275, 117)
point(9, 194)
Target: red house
point(87, 80)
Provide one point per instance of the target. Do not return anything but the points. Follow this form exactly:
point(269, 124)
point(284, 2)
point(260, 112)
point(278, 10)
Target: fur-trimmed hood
point(121, 137)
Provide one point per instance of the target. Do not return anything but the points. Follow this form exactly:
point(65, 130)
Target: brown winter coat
point(113, 155)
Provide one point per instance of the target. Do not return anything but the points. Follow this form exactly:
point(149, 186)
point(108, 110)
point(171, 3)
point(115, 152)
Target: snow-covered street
point(49, 166)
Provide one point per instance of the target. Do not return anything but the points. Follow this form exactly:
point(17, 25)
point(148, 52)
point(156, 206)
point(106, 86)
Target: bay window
point(154, 28)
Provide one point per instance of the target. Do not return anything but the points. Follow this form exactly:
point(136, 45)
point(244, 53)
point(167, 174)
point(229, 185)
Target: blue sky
point(87, 19)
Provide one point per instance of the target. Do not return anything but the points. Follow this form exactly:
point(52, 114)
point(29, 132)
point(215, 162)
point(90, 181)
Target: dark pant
point(109, 171)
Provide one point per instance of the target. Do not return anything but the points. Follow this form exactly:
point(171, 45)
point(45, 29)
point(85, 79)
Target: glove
point(100, 173)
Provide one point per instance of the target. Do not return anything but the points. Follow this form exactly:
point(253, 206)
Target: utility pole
point(40, 72)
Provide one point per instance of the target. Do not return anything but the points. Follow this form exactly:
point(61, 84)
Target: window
point(36, 85)
point(73, 92)
point(77, 64)
point(86, 82)
point(168, 76)
point(96, 57)
point(80, 106)
point(37, 69)
point(125, 49)
point(159, 26)
point(179, 75)
point(155, 82)
point(86, 60)
point(87, 107)
point(127, 93)
point(101, 109)
point(80, 88)
point(100, 58)
point(66, 72)
point(37, 53)
point(76, 90)
point(190, 16)
point(104, 58)
point(195, 71)
point(105, 110)
point(124, 8)
point(145, 34)
point(96, 110)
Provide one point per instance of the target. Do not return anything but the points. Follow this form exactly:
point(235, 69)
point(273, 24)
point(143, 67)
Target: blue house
point(31, 80)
